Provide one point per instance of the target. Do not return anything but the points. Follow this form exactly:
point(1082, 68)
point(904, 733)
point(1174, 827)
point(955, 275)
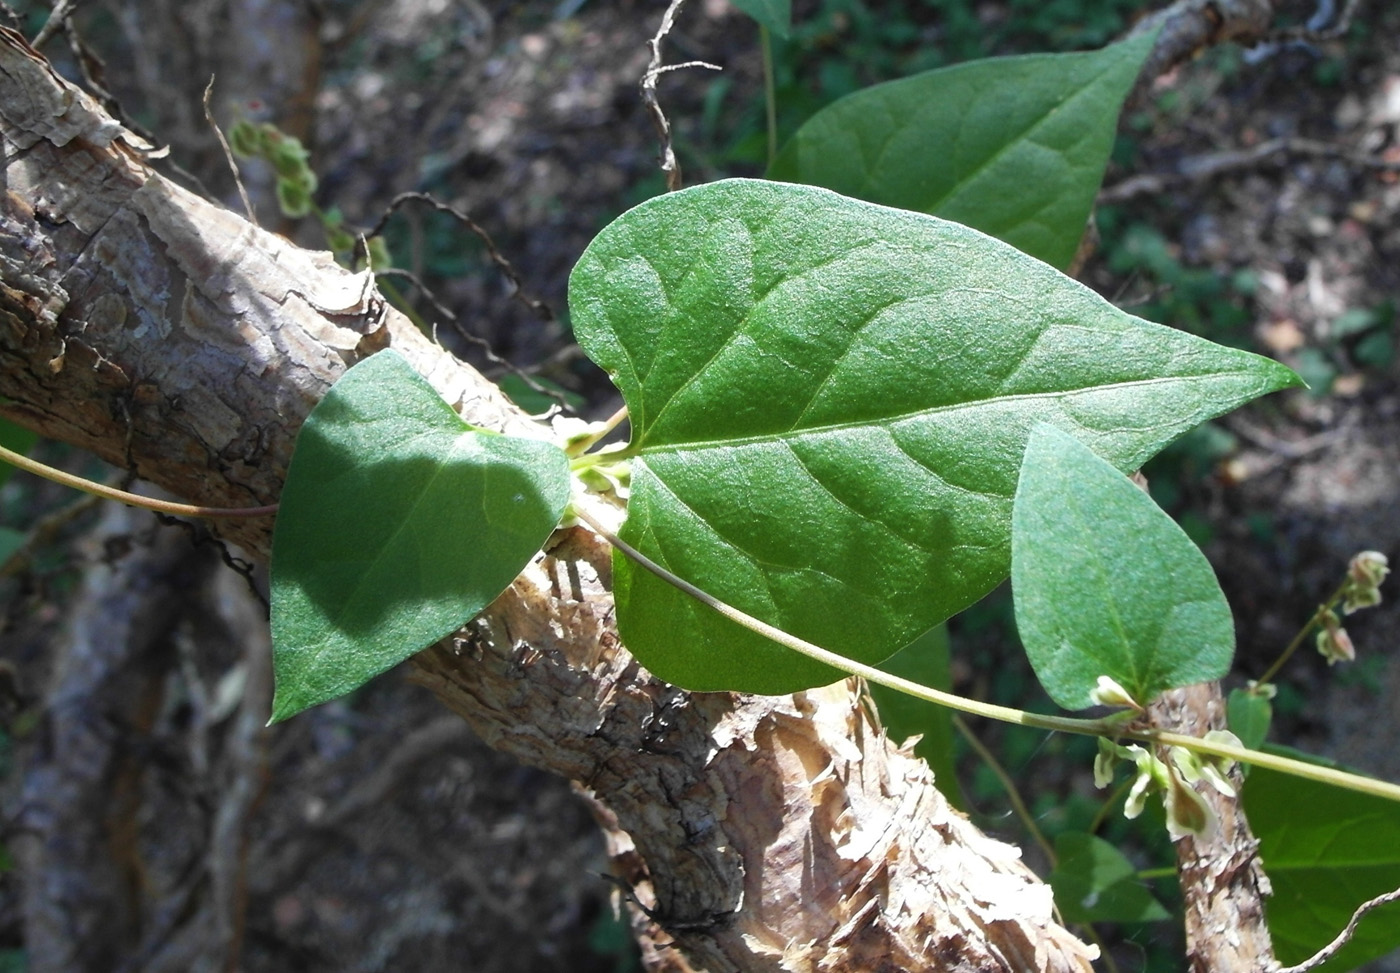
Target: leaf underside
point(830, 400)
point(1014, 146)
point(398, 523)
point(1106, 584)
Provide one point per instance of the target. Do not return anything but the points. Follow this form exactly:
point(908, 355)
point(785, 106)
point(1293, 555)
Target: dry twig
point(669, 164)
point(540, 308)
point(228, 153)
point(1207, 165)
point(1343, 937)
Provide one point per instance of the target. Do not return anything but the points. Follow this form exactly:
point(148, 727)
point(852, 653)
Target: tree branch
point(169, 336)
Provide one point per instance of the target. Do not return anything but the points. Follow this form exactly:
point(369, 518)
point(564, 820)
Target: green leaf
point(1326, 851)
point(776, 15)
point(1094, 882)
point(1248, 716)
point(10, 541)
point(925, 661)
point(829, 403)
point(1106, 584)
point(398, 523)
point(1014, 146)
point(16, 439)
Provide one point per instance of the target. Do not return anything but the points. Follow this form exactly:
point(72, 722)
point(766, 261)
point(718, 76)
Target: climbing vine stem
point(1111, 726)
point(121, 496)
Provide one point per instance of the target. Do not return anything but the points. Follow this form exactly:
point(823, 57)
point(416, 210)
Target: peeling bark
point(1222, 878)
point(763, 833)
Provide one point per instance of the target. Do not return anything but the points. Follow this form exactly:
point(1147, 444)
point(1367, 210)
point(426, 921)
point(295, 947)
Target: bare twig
point(1316, 29)
point(228, 152)
point(452, 318)
point(1343, 937)
point(58, 20)
point(1189, 26)
point(1210, 164)
point(655, 69)
point(543, 310)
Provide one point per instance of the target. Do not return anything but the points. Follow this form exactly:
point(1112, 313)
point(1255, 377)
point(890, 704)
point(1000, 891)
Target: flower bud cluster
point(1188, 813)
point(1362, 589)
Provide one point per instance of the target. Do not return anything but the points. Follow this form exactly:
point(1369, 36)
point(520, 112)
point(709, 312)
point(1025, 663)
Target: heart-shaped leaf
point(397, 524)
point(1094, 882)
point(829, 402)
point(1106, 584)
point(1014, 146)
point(1326, 851)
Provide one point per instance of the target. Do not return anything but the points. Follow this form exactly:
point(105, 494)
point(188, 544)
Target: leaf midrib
point(789, 435)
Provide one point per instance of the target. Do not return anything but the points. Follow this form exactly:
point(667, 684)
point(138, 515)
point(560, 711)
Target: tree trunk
point(176, 340)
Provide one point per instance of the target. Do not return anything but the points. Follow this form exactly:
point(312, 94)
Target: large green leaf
point(1326, 851)
point(398, 523)
point(1094, 882)
point(776, 15)
point(1013, 146)
point(1107, 584)
point(830, 400)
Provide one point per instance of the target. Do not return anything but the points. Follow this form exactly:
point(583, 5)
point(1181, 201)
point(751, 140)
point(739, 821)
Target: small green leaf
point(1105, 583)
point(776, 15)
point(1014, 146)
point(927, 661)
point(1248, 715)
point(1326, 851)
point(1094, 882)
point(829, 403)
point(398, 523)
point(16, 439)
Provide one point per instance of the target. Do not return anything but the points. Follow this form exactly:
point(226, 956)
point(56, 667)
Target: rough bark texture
point(1222, 879)
point(172, 338)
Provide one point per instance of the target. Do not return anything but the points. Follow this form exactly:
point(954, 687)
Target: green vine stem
point(770, 95)
point(1013, 793)
point(1111, 726)
point(121, 496)
point(1303, 633)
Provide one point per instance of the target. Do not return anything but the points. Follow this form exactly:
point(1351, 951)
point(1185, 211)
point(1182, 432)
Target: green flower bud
point(1369, 568)
point(1108, 692)
point(1365, 573)
point(244, 140)
point(1187, 812)
point(379, 256)
point(1333, 641)
point(293, 198)
point(338, 240)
